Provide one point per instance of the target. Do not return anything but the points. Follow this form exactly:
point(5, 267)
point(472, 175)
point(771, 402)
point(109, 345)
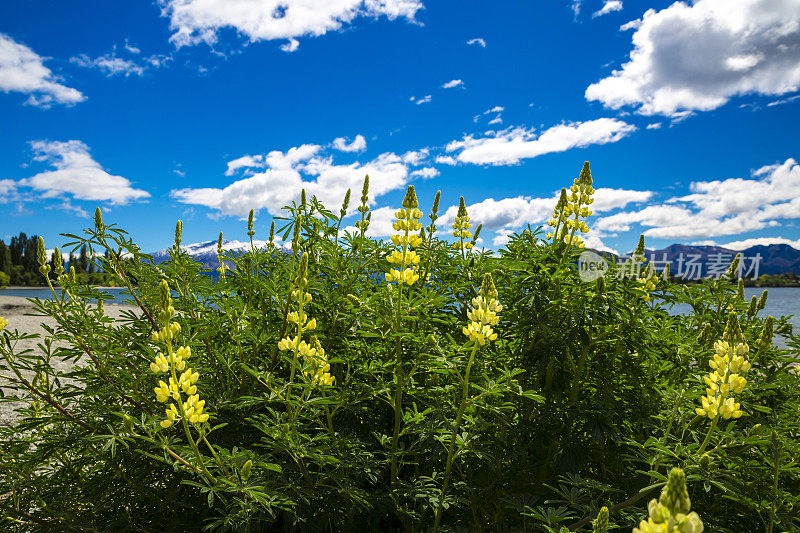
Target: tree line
point(19, 266)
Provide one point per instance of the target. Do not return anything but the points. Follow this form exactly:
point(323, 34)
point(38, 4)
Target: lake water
point(45, 294)
point(781, 300)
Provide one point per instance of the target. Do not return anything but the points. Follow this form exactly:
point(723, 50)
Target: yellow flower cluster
point(3, 323)
point(570, 208)
point(461, 228)
point(483, 314)
point(173, 362)
point(728, 365)
point(406, 258)
point(315, 362)
point(317, 366)
point(646, 284)
point(670, 513)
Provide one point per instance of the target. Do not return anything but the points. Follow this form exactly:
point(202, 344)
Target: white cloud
point(716, 208)
point(8, 191)
point(696, 57)
point(477, 41)
point(607, 199)
point(111, 64)
point(608, 7)
point(654, 126)
point(425, 173)
point(131, 48)
point(416, 157)
point(446, 160)
point(453, 83)
point(76, 173)
point(761, 241)
point(507, 147)
point(359, 144)
point(22, 70)
point(284, 174)
point(496, 120)
point(246, 161)
point(424, 100)
point(291, 45)
point(200, 21)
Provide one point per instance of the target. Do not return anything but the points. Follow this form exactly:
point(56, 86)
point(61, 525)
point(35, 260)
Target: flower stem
point(456, 425)
point(708, 435)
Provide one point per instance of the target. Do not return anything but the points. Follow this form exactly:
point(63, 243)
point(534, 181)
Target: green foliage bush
point(585, 399)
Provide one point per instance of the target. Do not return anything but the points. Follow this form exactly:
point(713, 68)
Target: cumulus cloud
point(75, 173)
point(608, 7)
point(425, 173)
point(696, 57)
point(291, 45)
point(22, 70)
point(446, 160)
point(246, 161)
point(720, 207)
point(509, 146)
point(281, 176)
point(478, 42)
point(424, 100)
point(200, 21)
point(452, 84)
point(416, 157)
point(359, 144)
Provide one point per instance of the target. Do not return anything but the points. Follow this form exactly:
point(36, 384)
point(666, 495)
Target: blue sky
point(201, 109)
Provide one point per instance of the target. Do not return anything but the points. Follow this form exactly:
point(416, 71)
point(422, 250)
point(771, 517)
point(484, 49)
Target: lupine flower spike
point(3, 323)
point(728, 366)
point(483, 314)
point(646, 283)
point(178, 235)
point(571, 207)
point(222, 266)
point(670, 513)
point(461, 228)
point(41, 256)
point(600, 524)
point(404, 257)
point(315, 361)
point(185, 383)
point(363, 224)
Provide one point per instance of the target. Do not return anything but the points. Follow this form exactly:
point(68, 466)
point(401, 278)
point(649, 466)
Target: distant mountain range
point(685, 260)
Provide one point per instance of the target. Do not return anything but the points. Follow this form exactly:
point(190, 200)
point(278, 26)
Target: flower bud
point(250, 230)
point(600, 524)
point(410, 201)
point(98, 220)
point(178, 234)
point(246, 470)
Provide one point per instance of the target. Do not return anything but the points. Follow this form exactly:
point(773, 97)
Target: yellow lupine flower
point(407, 260)
point(728, 365)
point(313, 356)
point(575, 202)
point(483, 314)
point(670, 513)
point(175, 361)
point(3, 323)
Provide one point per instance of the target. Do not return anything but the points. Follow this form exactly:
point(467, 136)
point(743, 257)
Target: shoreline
point(21, 316)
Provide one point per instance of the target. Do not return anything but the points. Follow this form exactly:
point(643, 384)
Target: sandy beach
point(17, 310)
